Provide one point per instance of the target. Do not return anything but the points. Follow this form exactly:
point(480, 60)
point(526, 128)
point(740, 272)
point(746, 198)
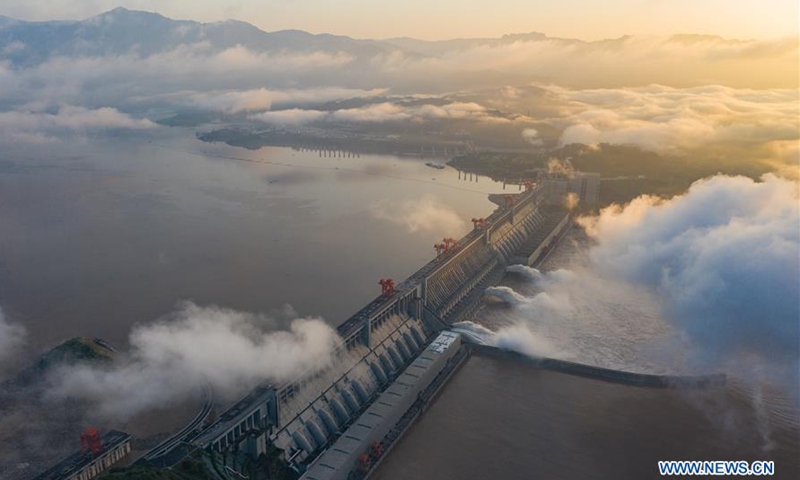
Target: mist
point(710, 278)
point(427, 215)
point(173, 358)
point(12, 338)
point(724, 260)
point(575, 314)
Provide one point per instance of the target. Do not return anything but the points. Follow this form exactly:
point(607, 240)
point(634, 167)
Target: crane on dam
point(90, 442)
point(387, 287)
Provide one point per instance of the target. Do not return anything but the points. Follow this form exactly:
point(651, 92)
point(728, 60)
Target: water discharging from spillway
point(528, 273)
point(507, 295)
point(474, 333)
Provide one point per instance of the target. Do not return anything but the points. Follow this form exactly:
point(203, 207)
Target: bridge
point(393, 351)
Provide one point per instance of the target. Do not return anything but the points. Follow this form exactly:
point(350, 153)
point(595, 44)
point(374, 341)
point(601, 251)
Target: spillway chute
point(379, 373)
point(417, 335)
point(339, 410)
point(403, 349)
point(328, 421)
point(360, 390)
point(388, 366)
point(398, 361)
point(316, 433)
point(302, 441)
point(350, 400)
point(411, 342)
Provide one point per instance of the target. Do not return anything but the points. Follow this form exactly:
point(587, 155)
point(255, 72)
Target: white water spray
point(515, 338)
point(538, 277)
point(506, 295)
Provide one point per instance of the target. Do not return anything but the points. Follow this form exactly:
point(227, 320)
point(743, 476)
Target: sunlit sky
point(439, 19)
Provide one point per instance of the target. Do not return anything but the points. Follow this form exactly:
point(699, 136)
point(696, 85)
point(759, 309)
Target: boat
point(435, 165)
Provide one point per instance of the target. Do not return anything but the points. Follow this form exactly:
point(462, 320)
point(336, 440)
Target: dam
point(396, 352)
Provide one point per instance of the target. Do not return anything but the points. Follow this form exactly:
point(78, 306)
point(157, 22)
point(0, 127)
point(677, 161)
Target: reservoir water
point(101, 234)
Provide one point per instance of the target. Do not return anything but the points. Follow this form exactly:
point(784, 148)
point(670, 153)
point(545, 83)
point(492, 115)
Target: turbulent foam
point(538, 277)
point(528, 273)
point(515, 338)
point(507, 295)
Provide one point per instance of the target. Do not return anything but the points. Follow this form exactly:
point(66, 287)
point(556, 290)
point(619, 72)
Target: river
point(500, 419)
point(100, 234)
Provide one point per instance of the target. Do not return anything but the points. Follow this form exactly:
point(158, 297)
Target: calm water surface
point(499, 419)
point(98, 235)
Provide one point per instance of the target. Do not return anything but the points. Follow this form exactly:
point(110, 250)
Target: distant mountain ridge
point(122, 31)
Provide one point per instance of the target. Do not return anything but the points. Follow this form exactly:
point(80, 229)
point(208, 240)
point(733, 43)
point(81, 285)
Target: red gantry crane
point(480, 223)
point(448, 245)
point(451, 245)
point(387, 287)
point(90, 442)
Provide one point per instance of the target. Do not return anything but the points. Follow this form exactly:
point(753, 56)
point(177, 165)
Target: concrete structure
point(341, 458)
point(585, 185)
point(324, 418)
point(83, 466)
point(542, 242)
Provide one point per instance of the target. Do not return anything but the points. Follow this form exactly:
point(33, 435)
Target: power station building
point(94, 458)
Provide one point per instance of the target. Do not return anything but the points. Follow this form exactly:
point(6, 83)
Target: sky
point(440, 19)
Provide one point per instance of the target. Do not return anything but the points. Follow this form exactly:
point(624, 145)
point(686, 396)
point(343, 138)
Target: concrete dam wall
point(382, 342)
point(606, 374)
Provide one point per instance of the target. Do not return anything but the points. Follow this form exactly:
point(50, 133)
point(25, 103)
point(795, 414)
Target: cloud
point(670, 120)
point(381, 112)
point(171, 358)
point(723, 258)
point(263, 99)
point(293, 116)
point(556, 166)
point(427, 214)
point(462, 110)
point(132, 79)
point(612, 63)
point(385, 112)
point(12, 337)
point(628, 109)
point(531, 135)
point(39, 126)
point(376, 113)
